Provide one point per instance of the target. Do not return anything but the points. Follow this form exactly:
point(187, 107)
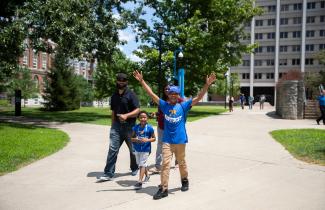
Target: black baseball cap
point(121, 77)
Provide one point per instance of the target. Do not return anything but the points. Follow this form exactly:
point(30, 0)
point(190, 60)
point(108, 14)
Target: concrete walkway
point(233, 164)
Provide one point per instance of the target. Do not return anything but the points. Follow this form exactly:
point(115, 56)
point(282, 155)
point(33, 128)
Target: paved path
point(233, 163)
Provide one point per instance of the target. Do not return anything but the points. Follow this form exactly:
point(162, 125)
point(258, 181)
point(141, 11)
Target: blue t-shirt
point(143, 132)
point(174, 121)
point(321, 100)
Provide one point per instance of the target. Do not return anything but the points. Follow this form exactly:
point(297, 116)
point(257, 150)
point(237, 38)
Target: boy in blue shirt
point(321, 100)
point(142, 136)
point(174, 137)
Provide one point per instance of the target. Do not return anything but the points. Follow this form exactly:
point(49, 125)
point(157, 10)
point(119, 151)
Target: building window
point(295, 48)
point(271, 22)
point(269, 75)
point(311, 5)
point(35, 60)
point(283, 34)
point(322, 33)
point(270, 48)
point(271, 35)
point(25, 58)
point(322, 4)
point(297, 6)
point(296, 34)
point(283, 62)
point(246, 62)
point(258, 36)
point(310, 33)
point(285, 7)
point(297, 20)
point(283, 48)
point(270, 62)
point(44, 60)
point(295, 61)
point(257, 75)
point(258, 22)
point(309, 47)
point(322, 19)
point(309, 61)
point(258, 49)
point(271, 8)
point(245, 76)
point(311, 19)
point(284, 21)
point(321, 46)
point(258, 63)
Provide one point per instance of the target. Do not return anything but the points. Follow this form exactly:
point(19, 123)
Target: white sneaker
point(104, 178)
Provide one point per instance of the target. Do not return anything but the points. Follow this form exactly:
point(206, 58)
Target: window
point(296, 34)
point(44, 60)
point(25, 58)
point(245, 76)
point(310, 33)
point(284, 21)
point(322, 19)
point(258, 49)
point(246, 62)
point(269, 75)
point(270, 62)
point(283, 62)
point(311, 19)
point(34, 60)
point(257, 75)
point(309, 47)
point(283, 34)
point(258, 63)
point(311, 5)
point(284, 7)
point(258, 36)
point(295, 61)
point(247, 24)
point(321, 46)
point(271, 8)
point(309, 61)
point(322, 33)
point(271, 35)
point(258, 22)
point(297, 20)
point(271, 22)
point(283, 48)
point(270, 48)
point(297, 6)
point(322, 4)
point(295, 48)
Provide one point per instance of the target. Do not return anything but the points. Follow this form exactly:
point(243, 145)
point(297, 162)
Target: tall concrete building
point(289, 33)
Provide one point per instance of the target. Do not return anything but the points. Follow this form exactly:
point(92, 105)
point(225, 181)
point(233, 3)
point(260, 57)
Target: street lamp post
point(181, 72)
point(160, 33)
point(226, 88)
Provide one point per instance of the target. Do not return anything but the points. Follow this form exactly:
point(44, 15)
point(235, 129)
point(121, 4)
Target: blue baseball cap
point(173, 89)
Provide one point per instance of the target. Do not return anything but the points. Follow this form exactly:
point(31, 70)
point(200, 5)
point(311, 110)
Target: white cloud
point(125, 36)
point(134, 58)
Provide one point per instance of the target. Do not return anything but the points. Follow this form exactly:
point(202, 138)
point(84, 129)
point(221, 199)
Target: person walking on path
point(262, 100)
point(250, 101)
point(321, 100)
point(125, 108)
point(142, 136)
point(242, 100)
point(231, 104)
point(175, 137)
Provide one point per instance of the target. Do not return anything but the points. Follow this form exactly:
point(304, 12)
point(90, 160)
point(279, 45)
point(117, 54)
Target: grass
point(23, 144)
point(102, 116)
point(304, 144)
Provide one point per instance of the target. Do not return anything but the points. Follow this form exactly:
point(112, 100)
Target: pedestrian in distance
point(321, 101)
point(250, 101)
point(175, 137)
point(142, 136)
point(231, 104)
point(125, 108)
point(242, 99)
point(262, 100)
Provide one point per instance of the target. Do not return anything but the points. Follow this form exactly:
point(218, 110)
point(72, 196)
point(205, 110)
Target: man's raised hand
point(211, 78)
point(138, 75)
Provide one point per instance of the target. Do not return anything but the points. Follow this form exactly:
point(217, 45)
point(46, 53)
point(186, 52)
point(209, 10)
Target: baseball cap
point(173, 89)
point(121, 77)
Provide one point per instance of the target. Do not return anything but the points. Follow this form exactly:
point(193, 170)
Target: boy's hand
point(210, 78)
point(138, 75)
point(144, 140)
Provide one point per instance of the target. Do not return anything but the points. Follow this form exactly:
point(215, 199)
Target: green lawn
point(304, 144)
point(102, 116)
point(23, 144)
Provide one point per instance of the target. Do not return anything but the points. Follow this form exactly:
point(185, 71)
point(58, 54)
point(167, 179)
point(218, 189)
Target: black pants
point(322, 117)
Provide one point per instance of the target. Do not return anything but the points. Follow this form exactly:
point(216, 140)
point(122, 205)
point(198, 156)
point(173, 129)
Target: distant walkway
point(233, 164)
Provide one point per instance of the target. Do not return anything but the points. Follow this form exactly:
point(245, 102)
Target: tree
point(62, 91)
point(209, 32)
point(86, 89)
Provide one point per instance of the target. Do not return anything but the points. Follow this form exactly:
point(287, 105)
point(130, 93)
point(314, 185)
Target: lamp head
point(180, 55)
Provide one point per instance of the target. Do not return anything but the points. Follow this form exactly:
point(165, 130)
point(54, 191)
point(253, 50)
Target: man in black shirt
point(125, 108)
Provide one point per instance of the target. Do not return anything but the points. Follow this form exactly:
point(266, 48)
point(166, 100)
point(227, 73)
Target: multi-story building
point(289, 34)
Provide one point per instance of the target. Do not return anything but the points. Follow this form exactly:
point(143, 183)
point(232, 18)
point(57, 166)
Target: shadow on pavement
point(273, 115)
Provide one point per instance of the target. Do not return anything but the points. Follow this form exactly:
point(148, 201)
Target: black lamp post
point(160, 33)
point(226, 88)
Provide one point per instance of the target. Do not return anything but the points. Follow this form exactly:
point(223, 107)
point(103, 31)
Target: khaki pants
point(167, 151)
